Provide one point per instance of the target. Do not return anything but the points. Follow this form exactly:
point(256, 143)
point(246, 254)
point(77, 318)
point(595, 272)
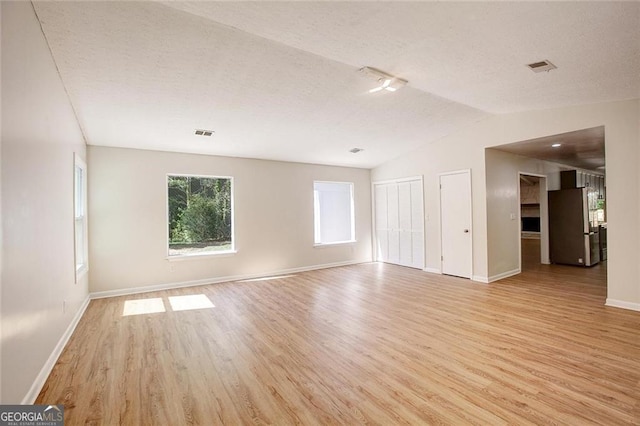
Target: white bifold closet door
point(399, 223)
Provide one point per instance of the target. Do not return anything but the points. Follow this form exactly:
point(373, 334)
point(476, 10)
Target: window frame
point(187, 256)
point(80, 268)
point(352, 215)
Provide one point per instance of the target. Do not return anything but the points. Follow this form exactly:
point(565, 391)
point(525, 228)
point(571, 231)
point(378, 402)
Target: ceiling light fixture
point(556, 145)
point(386, 81)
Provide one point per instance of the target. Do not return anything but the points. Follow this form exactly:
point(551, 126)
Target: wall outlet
point(512, 216)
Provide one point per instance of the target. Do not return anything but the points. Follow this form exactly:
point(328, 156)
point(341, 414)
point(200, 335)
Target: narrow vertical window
point(333, 213)
point(80, 217)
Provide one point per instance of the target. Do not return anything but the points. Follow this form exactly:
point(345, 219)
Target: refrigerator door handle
point(585, 211)
point(587, 251)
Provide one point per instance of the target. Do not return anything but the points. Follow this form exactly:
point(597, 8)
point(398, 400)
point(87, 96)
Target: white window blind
point(333, 212)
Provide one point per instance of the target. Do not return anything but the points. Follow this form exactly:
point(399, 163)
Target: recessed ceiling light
point(201, 132)
point(355, 150)
point(556, 145)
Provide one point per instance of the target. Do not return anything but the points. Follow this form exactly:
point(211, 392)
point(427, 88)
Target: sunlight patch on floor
point(143, 306)
point(189, 302)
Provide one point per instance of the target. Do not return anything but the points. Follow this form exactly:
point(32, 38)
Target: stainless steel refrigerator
point(573, 232)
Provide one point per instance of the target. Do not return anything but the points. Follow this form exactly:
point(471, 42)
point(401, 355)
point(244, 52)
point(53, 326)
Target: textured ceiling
point(583, 149)
point(469, 52)
point(279, 80)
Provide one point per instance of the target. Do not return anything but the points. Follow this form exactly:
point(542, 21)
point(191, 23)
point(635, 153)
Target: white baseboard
point(480, 279)
point(504, 275)
point(433, 270)
point(623, 304)
point(41, 378)
point(194, 283)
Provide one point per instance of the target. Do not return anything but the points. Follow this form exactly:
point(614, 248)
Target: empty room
point(320, 212)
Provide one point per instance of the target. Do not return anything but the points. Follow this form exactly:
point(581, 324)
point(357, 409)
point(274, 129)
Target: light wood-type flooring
point(364, 344)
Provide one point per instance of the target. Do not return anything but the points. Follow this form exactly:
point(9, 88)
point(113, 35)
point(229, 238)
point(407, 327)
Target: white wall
point(631, 198)
point(273, 217)
point(455, 152)
point(465, 149)
point(0, 211)
point(39, 136)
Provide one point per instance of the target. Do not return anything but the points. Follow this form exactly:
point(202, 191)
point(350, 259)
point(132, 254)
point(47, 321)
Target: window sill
point(200, 256)
point(339, 243)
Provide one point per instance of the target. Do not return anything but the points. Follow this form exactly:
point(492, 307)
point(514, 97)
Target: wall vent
point(541, 66)
point(201, 132)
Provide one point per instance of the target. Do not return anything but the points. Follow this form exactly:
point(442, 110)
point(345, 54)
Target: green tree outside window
point(200, 214)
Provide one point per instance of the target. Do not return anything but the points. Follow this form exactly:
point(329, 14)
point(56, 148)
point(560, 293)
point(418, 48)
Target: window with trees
point(200, 214)
point(333, 213)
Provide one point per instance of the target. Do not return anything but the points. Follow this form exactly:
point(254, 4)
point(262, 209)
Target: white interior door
point(381, 223)
point(455, 223)
point(399, 223)
point(392, 221)
point(417, 224)
point(404, 224)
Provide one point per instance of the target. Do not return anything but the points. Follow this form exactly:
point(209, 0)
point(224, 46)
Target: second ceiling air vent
point(541, 66)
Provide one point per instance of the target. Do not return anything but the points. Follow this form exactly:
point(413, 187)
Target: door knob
point(466, 231)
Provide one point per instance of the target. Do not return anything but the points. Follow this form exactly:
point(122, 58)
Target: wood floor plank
point(364, 344)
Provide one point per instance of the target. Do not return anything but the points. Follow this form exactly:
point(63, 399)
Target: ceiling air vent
point(541, 66)
point(201, 132)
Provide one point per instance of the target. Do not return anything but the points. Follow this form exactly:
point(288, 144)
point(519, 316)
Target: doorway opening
point(533, 219)
point(572, 161)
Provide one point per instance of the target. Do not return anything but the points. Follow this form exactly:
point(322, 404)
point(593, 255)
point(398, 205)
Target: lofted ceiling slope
point(473, 53)
point(279, 80)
